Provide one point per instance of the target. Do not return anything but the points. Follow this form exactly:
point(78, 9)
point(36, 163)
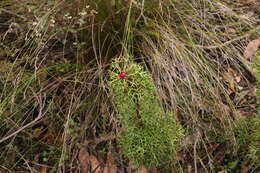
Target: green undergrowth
point(249, 130)
point(150, 136)
point(254, 123)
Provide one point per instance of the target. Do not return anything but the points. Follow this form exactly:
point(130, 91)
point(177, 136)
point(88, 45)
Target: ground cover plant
point(129, 86)
point(149, 136)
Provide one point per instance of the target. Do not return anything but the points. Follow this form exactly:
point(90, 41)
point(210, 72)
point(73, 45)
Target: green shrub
point(149, 136)
point(254, 147)
point(248, 134)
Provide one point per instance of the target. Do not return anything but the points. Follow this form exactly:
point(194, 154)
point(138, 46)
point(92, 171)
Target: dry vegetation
point(58, 112)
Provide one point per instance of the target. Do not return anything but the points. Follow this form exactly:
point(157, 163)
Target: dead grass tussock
point(49, 89)
point(53, 88)
point(191, 74)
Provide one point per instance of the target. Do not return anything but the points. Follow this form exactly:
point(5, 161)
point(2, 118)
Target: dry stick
point(29, 124)
point(198, 135)
point(195, 154)
point(26, 162)
point(142, 13)
point(21, 129)
point(108, 137)
point(12, 13)
point(228, 42)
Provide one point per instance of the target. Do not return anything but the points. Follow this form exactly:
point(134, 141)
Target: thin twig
point(228, 42)
point(40, 115)
point(12, 13)
point(21, 129)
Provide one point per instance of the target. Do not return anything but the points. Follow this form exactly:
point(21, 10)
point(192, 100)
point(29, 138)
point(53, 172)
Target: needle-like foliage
point(150, 136)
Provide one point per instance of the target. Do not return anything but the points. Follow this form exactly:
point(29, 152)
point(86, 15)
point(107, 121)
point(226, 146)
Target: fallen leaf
point(230, 31)
point(251, 49)
point(83, 160)
point(36, 158)
point(143, 169)
point(238, 79)
point(154, 170)
point(240, 88)
point(173, 171)
point(189, 168)
point(95, 164)
point(221, 113)
point(238, 114)
point(179, 156)
point(89, 162)
point(43, 169)
point(188, 140)
point(245, 169)
point(252, 92)
point(104, 111)
point(229, 76)
point(223, 171)
point(110, 166)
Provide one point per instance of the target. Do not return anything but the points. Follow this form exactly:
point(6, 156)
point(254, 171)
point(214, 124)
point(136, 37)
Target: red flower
point(122, 75)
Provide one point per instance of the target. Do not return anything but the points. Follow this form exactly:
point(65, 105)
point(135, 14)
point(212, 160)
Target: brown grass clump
point(55, 102)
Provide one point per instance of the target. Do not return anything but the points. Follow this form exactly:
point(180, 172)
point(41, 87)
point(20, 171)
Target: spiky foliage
point(149, 136)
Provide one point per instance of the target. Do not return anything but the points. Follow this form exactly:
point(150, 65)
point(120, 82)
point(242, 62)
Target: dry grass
point(54, 66)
